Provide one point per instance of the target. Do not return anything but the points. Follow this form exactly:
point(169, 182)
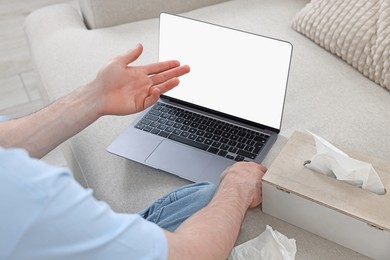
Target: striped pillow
point(358, 31)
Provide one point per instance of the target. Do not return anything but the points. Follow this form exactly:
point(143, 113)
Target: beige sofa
point(325, 95)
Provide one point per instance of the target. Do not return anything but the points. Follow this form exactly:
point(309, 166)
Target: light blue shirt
point(45, 214)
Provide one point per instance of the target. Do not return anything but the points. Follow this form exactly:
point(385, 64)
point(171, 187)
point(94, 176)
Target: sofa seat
point(325, 95)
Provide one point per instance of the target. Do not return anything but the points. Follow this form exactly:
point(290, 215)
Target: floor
point(19, 84)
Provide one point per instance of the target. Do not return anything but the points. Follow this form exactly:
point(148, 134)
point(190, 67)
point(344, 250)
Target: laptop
point(228, 108)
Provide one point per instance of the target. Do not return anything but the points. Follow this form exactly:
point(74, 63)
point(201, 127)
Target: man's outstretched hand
point(118, 89)
point(124, 89)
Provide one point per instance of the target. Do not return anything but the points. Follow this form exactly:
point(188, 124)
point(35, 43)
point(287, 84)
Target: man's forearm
point(42, 131)
point(212, 232)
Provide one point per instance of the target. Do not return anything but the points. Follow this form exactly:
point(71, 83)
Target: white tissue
point(333, 162)
point(270, 244)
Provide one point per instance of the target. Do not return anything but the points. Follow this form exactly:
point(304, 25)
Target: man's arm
point(212, 232)
point(118, 89)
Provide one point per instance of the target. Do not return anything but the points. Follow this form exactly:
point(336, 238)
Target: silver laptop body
point(227, 109)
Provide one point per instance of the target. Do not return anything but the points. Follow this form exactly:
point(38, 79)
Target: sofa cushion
point(358, 31)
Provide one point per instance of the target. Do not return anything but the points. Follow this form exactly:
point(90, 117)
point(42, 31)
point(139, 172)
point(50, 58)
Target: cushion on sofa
point(358, 31)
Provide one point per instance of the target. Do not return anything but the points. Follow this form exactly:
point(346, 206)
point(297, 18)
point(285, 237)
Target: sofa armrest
point(103, 13)
point(43, 24)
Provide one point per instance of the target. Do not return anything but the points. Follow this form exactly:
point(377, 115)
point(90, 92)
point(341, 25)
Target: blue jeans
point(171, 210)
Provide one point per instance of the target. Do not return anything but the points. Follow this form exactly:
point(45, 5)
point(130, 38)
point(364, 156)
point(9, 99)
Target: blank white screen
point(237, 73)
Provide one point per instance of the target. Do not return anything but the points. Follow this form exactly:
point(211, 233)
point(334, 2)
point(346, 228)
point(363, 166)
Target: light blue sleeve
point(45, 214)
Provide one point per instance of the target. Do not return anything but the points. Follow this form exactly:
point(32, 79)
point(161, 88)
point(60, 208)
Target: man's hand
point(123, 89)
point(119, 89)
point(246, 178)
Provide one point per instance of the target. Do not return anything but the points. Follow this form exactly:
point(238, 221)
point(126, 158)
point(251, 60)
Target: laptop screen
point(232, 72)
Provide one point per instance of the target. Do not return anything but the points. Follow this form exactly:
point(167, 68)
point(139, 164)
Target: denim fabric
point(171, 210)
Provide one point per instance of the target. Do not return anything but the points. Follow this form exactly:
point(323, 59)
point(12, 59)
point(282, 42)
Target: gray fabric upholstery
point(325, 95)
point(103, 13)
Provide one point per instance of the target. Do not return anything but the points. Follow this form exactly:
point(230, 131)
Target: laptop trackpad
point(179, 159)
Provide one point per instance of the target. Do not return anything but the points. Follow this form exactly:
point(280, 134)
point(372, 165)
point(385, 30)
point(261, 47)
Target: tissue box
point(345, 214)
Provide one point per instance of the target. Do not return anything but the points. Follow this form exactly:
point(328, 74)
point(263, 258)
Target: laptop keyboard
point(205, 133)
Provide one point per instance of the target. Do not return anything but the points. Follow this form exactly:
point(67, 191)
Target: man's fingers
point(152, 98)
point(262, 168)
point(169, 74)
point(156, 91)
point(158, 67)
point(167, 85)
point(131, 55)
point(259, 166)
